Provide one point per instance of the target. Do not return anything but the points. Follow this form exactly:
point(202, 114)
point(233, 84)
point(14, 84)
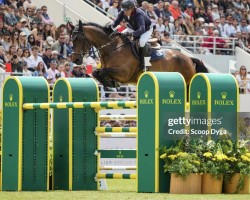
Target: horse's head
point(81, 45)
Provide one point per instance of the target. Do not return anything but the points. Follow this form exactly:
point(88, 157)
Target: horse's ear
point(80, 25)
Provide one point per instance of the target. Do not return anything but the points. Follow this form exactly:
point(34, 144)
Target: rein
point(98, 49)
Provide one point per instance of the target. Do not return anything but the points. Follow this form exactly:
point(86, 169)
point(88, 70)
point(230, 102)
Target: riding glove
point(109, 26)
point(124, 34)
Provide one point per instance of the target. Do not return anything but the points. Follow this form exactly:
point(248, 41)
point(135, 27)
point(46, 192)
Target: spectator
point(24, 27)
point(46, 17)
point(166, 40)
point(222, 25)
point(112, 10)
point(60, 46)
point(166, 13)
point(47, 56)
point(54, 55)
point(242, 27)
point(31, 40)
point(23, 43)
point(3, 56)
point(19, 54)
point(67, 69)
point(215, 13)
point(38, 18)
point(238, 4)
point(16, 66)
point(144, 6)
point(9, 17)
point(40, 70)
point(199, 3)
point(189, 11)
point(15, 39)
point(34, 59)
point(5, 42)
point(26, 72)
point(159, 9)
point(39, 42)
point(175, 10)
point(61, 30)
point(105, 5)
point(61, 69)
point(21, 13)
point(169, 27)
point(157, 35)
point(69, 45)
point(48, 43)
point(230, 29)
point(48, 30)
point(27, 4)
point(52, 71)
point(243, 77)
point(26, 54)
point(2, 28)
point(77, 73)
point(205, 15)
point(38, 29)
point(12, 50)
point(151, 13)
point(160, 27)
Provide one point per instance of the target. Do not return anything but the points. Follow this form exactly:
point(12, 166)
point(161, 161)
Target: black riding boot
point(143, 54)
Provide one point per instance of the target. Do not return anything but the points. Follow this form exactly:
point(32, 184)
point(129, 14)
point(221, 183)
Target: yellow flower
point(245, 158)
point(248, 155)
point(197, 162)
point(163, 156)
point(172, 157)
point(232, 159)
point(182, 154)
point(208, 154)
point(221, 157)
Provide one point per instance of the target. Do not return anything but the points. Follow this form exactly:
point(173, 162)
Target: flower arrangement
point(239, 162)
point(214, 160)
point(179, 160)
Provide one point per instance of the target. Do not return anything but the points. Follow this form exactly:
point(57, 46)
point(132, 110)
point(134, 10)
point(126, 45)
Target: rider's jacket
point(138, 21)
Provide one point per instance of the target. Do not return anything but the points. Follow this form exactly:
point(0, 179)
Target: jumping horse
point(119, 63)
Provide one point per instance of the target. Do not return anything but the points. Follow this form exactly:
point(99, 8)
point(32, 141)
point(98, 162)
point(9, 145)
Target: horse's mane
point(105, 30)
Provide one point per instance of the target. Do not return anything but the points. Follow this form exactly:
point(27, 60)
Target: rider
point(139, 24)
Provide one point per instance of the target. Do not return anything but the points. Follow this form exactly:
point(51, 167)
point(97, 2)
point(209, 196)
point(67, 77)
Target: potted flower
point(237, 178)
point(184, 167)
point(213, 165)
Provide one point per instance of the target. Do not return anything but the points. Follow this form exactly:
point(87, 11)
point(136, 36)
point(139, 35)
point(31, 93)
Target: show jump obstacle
point(76, 128)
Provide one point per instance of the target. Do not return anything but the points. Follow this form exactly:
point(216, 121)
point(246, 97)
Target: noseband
point(82, 37)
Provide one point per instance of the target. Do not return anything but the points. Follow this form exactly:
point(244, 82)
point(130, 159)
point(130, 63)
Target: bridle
point(82, 36)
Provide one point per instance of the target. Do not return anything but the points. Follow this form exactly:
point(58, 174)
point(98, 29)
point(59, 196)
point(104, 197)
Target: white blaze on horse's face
point(128, 12)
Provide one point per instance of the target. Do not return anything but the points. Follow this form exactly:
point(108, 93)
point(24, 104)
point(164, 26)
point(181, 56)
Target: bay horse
point(118, 62)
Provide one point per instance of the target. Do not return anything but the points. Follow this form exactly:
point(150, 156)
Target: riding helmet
point(128, 4)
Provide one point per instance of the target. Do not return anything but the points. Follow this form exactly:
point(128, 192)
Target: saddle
point(152, 47)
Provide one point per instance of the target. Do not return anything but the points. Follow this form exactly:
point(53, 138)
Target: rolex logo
point(171, 94)
point(198, 95)
point(11, 97)
point(223, 95)
point(60, 98)
point(146, 94)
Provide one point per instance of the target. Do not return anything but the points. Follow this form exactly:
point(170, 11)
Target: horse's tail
point(199, 66)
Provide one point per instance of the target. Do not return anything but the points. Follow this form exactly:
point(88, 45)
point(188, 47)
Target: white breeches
point(144, 37)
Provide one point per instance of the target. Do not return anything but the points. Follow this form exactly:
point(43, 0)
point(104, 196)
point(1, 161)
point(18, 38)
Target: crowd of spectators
point(32, 45)
point(210, 19)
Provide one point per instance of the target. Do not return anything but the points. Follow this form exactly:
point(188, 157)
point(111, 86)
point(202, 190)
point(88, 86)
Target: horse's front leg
point(104, 77)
